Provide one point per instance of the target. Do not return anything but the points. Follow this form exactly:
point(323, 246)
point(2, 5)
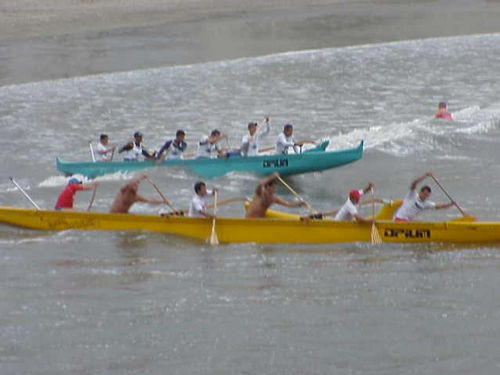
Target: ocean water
point(118, 302)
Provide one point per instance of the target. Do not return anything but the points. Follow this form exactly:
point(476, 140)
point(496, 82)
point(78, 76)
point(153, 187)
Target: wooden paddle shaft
point(92, 198)
point(296, 195)
point(92, 151)
point(213, 236)
point(161, 194)
point(215, 202)
point(448, 195)
point(24, 193)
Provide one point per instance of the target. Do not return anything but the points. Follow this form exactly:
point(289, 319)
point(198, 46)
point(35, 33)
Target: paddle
point(259, 125)
point(229, 147)
point(375, 237)
point(227, 201)
point(210, 205)
point(267, 149)
point(273, 147)
point(162, 196)
point(92, 198)
point(257, 130)
point(213, 236)
point(24, 193)
point(449, 197)
point(91, 150)
point(313, 211)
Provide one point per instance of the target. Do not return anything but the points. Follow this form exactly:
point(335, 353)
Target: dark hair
point(272, 182)
point(215, 132)
point(288, 126)
point(426, 188)
point(198, 185)
point(442, 105)
point(250, 124)
point(102, 136)
point(180, 132)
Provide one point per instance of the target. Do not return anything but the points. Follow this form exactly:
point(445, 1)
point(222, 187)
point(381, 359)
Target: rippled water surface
point(132, 302)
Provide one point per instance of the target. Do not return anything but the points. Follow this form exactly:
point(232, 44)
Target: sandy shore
point(61, 38)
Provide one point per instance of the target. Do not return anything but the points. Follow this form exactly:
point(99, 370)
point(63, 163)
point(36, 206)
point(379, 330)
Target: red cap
point(355, 194)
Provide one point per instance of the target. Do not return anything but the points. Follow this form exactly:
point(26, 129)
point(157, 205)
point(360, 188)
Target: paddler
point(286, 140)
point(134, 149)
point(128, 195)
point(67, 195)
point(250, 142)
point(349, 211)
point(414, 203)
point(103, 151)
point(264, 197)
point(443, 112)
point(209, 145)
point(198, 207)
point(173, 148)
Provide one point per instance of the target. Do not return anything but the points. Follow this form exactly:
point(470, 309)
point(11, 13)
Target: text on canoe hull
point(275, 163)
point(407, 233)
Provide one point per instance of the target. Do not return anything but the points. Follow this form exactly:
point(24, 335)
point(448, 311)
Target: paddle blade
point(375, 237)
point(214, 241)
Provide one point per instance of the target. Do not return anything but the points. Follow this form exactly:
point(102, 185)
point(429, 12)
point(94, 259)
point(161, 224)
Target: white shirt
point(175, 153)
point(412, 205)
point(198, 204)
point(348, 210)
point(99, 156)
point(205, 148)
point(283, 143)
point(173, 150)
point(133, 154)
point(250, 144)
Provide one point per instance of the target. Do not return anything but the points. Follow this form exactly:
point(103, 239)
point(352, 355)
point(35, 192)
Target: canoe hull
point(209, 168)
point(239, 230)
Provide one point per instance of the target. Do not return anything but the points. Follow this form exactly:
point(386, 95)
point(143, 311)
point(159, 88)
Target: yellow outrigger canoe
point(278, 230)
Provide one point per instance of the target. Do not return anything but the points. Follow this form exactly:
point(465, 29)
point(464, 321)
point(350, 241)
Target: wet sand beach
point(56, 38)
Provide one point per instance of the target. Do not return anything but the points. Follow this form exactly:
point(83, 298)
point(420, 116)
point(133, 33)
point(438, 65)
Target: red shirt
point(444, 114)
point(67, 196)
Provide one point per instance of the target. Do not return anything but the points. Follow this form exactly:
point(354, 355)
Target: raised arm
point(368, 187)
point(418, 180)
point(265, 129)
point(264, 182)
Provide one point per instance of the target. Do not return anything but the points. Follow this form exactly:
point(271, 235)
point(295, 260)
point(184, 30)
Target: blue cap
point(74, 181)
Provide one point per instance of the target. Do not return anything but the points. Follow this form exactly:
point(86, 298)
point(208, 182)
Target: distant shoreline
point(57, 38)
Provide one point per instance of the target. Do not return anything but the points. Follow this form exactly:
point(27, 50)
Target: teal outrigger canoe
point(286, 165)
